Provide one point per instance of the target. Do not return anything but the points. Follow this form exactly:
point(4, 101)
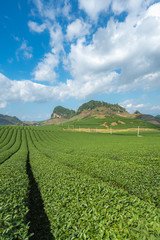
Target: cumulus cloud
point(156, 107)
point(3, 104)
point(66, 9)
point(77, 29)
point(28, 91)
point(132, 48)
point(24, 51)
point(130, 6)
point(46, 67)
point(132, 106)
point(45, 9)
point(45, 70)
point(154, 10)
point(121, 56)
point(93, 7)
point(35, 27)
point(56, 38)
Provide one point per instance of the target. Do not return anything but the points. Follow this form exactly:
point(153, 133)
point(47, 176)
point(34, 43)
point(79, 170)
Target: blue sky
point(69, 52)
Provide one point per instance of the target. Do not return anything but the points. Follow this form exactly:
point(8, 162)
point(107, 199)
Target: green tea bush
point(14, 196)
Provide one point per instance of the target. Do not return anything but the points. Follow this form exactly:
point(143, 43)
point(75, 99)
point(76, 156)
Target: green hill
point(90, 108)
point(8, 120)
point(94, 104)
point(61, 112)
point(102, 115)
point(108, 121)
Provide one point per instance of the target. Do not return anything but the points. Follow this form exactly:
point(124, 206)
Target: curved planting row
point(11, 141)
point(2, 130)
point(60, 185)
point(139, 179)
point(6, 137)
point(14, 189)
point(80, 206)
point(12, 147)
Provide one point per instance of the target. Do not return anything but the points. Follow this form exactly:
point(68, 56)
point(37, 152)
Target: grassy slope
point(116, 122)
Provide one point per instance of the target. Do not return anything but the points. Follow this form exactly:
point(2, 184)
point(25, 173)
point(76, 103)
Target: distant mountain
point(97, 104)
point(8, 120)
point(91, 108)
point(101, 107)
point(149, 118)
point(96, 109)
point(61, 112)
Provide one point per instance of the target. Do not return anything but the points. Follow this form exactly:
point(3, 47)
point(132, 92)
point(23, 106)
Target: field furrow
point(14, 189)
point(116, 172)
point(12, 147)
point(81, 207)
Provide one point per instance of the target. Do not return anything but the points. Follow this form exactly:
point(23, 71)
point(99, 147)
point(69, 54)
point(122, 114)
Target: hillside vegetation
point(102, 115)
point(61, 112)
point(108, 121)
point(7, 120)
point(94, 104)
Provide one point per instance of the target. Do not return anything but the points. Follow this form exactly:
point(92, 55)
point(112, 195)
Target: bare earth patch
point(114, 124)
point(104, 124)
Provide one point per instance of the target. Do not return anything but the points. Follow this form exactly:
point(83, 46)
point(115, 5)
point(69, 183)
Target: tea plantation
point(65, 185)
point(107, 121)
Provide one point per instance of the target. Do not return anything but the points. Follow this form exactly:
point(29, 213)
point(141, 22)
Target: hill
point(97, 104)
point(8, 120)
point(149, 118)
point(107, 122)
point(97, 114)
point(61, 112)
point(90, 108)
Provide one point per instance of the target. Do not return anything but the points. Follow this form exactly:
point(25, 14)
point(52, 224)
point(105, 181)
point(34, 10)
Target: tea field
point(66, 185)
point(108, 121)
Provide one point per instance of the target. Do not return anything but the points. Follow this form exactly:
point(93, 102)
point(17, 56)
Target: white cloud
point(130, 6)
point(16, 38)
point(35, 27)
point(56, 38)
point(45, 9)
point(3, 104)
point(24, 51)
point(93, 7)
point(66, 9)
point(45, 68)
point(133, 48)
point(28, 91)
point(156, 108)
point(131, 105)
point(154, 10)
point(77, 29)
